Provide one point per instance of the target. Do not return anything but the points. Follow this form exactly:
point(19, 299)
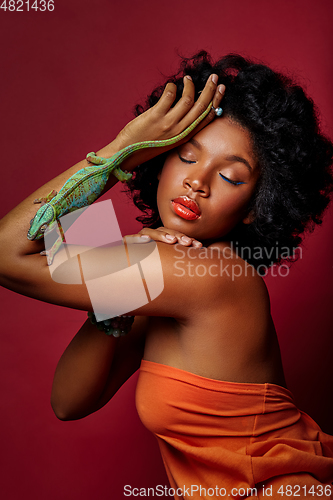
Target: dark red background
point(69, 80)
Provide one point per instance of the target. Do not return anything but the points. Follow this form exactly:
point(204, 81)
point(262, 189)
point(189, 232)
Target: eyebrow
point(240, 160)
point(232, 158)
point(195, 143)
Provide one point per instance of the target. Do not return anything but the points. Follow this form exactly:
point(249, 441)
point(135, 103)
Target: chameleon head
point(42, 220)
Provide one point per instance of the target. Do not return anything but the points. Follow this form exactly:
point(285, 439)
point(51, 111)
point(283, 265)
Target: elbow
point(10, 252)
point(6, 264)
point(60, 406)
point(62, 416)
point(61, 412)
point(67, 411)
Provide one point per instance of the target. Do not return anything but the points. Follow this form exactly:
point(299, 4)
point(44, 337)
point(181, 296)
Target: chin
point(191, 230)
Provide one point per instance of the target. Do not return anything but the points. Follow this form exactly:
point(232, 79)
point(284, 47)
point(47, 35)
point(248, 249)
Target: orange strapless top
point(224, 438)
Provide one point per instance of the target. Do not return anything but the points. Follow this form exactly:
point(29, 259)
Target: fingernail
point(169, 237)
point(215, 79)
point(221, 88)
point(188, 77)
point(197, 244)
point(185, 239)
point(145, 236)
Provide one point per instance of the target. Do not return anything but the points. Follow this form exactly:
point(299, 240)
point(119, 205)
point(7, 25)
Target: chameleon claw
point(86, 185)
point(39, 200)
point(46, 199)
point(49, 256)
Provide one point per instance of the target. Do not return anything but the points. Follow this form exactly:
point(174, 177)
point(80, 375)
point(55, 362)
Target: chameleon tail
point(112, 163)
point(86, 185)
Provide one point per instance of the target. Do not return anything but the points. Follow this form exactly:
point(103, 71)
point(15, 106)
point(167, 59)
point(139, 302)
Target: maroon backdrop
point(69, 79)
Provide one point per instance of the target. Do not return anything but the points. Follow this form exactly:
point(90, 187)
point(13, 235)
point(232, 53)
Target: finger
point(197, 244)
point(166, 235)
point(167, 98)
point(136, 238)
point(170, 236)
point(212, 114)
point(173, 236)
point(147, 231)
point(187, 241)
point(207, 94)
point(216, 104)
point(218, 95)
point(202, 103)
point(209, 90)
point(183, 240)
point(156, 234)
point(185, 103)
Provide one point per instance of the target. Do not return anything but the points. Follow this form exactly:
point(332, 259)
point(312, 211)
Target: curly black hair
point(295, 158)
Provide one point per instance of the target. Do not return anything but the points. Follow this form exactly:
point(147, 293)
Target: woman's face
point(206, 184)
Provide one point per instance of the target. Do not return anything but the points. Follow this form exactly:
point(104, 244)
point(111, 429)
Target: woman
point(211, 383)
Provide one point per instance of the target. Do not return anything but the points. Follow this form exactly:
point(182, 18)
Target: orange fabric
point(224, 435)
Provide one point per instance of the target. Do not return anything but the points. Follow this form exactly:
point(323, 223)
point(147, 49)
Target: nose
point(197, 181)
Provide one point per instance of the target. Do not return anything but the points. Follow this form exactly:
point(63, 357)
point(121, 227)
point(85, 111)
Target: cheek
point(170, 176)
point(232, 210)
point(234, 200)
point(164, 189)
point(238, 198)
point(238, 202)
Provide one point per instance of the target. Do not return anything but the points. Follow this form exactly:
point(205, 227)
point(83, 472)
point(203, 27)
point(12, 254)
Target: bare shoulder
point(232, 307)
point(239, 277)
point(206, 277)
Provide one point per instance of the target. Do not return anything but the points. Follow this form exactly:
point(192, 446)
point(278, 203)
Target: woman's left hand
point(165, 235)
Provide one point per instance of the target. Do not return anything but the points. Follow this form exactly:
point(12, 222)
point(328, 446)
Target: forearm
point(21, 267)
point(14, 226)
point(93, 367)
point(19, 257)
point(82, 373)
point(160, 123)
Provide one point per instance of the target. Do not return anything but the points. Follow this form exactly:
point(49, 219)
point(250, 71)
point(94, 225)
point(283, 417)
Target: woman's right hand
point(165, 235)
point(163, 122)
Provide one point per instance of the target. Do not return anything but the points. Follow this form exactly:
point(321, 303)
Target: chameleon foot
point(46, 199)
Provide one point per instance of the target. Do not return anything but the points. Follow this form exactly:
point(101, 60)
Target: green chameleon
point(86, 185)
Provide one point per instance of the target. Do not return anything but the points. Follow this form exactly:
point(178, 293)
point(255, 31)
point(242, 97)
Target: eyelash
point(185, 161)
point(235, 183)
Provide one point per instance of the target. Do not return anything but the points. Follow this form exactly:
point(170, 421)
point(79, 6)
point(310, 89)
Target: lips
point(186, 208)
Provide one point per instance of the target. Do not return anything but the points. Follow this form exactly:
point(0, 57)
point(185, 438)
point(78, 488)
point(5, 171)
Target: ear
point(249, 218)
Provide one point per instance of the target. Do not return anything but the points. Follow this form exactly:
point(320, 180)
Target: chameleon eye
point(43, 228)
point(31, 222)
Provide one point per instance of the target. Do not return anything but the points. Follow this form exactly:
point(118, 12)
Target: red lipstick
point(186, 208)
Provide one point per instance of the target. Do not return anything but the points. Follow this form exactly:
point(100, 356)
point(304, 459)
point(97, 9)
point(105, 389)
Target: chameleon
point(86, 185)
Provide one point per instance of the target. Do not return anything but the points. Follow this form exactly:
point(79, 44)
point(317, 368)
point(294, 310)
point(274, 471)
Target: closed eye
point(235, 183)
point(184, 160)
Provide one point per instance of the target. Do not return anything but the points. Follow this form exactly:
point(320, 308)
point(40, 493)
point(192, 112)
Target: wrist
point(110, 149)
point(121, 141)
